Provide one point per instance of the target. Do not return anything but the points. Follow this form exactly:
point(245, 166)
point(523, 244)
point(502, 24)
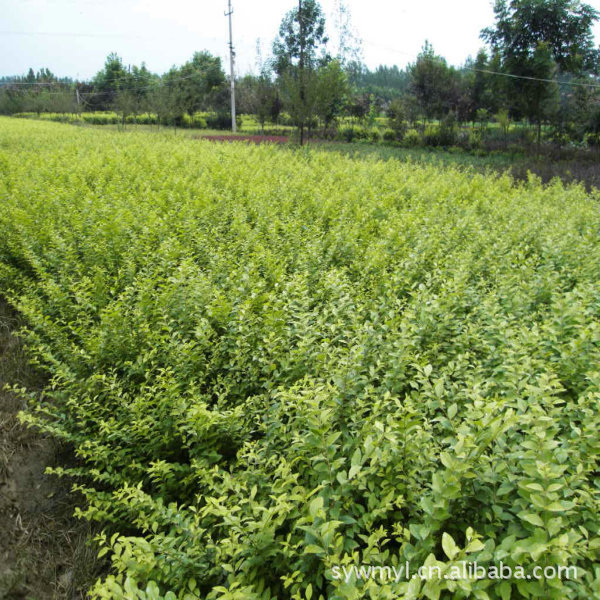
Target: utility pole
point(301, 68)
point(232, 68)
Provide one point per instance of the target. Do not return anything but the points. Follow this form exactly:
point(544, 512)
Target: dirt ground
point(44, 551)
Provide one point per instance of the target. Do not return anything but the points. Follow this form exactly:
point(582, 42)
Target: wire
point(412, 55)
point(69, 34)
point(488, 71)
point(57, 82)
point(160, 83)
point(13, 83)
point(577, 83)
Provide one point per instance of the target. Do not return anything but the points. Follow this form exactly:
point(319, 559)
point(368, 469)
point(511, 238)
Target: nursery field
point(276, 365)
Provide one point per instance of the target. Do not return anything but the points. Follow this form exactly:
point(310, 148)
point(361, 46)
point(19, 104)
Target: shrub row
point(273, 363)
point(196, 121)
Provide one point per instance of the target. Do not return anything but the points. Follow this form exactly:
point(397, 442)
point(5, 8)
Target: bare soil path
point(44, 554)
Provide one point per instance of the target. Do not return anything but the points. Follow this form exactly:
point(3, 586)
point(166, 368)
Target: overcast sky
point(73, 37)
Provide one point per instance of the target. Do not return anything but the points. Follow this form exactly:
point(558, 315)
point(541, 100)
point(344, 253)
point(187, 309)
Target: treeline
point(197, 85)
point(539, 68)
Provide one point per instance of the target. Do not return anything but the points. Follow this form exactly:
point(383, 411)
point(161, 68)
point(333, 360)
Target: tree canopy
point(565, 26)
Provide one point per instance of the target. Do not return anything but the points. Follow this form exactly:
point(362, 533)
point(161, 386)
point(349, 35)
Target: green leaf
point(475, 546)
point(532, 518)
point(504, 589)
point(354, 469)
point(559, 506)
point(449, 546)
point(315, 505)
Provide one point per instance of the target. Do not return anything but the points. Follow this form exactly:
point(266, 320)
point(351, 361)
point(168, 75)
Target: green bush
point(352, 133)
point(185, 120)
point(272, 362)
point(389, 135)
point(444, 134)
point(346, 134)
point(199, 122)
point(375, 135)
point(221, 120)
point(101, 118)
point(411, 139)
point(472, 139)
point(397, 118)
point(592, 140)
point(432, 136)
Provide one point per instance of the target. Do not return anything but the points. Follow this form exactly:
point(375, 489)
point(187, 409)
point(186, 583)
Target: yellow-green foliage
point(271, 362)
point(197, 121)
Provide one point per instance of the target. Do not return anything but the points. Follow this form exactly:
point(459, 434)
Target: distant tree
point(358, 106)
point(355, 70)
point(412, 108)
point(141, 82)
point(462, 100)
point(52, 94)
point(500, 90)
point(198, 82)
point(37, 101)
point(276, 107)
point(503, 119)
point(486, 89)
point(62, 101)
point(109, 81)
point(258, 95)
point(482, 116)
point(537, 96)
point(431, 83)
point(297, 52)
point(299, 95)
point(373, 112)
point(385, 82)
point(265, 96)
point(348, 43)
point(536, 39)
point(11, 101)
point(301, 39)
point(126, 103)
point(581, 109)
point(332, 92)
point(564, 26)
point(164, 101)
point(397, 117)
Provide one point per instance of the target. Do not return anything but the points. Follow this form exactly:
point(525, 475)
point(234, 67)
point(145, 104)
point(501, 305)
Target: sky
point(73, 37)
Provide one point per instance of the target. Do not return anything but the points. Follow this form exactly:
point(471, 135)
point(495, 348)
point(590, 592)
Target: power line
point(13, 83)
point(371, 43)
point(72, 34)
point(58, 82)
point(576, 83)
point(156, 84)
point(488, 71)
